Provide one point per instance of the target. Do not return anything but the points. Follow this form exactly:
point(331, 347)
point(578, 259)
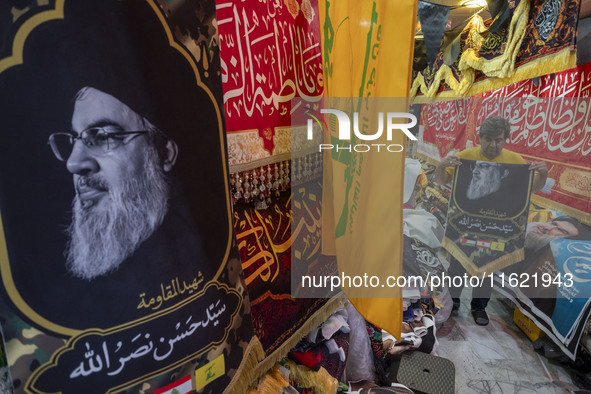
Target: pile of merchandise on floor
point(347, 353)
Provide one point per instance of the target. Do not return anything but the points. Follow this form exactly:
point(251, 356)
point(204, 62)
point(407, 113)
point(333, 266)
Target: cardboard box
point(527, 326)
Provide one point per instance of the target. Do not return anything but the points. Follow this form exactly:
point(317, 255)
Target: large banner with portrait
point(552, 285)
point(550, 117)
point(487, 215)
point(118, 260)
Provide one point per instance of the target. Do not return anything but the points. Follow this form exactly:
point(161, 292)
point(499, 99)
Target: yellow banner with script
point(367, 54)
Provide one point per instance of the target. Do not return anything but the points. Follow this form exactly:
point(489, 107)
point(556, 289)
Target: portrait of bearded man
point(540, 234)
point(126, 198)
point(490, 188)
point(483, 186)
point(487, 178)
point(539, 259)
point(120, 181)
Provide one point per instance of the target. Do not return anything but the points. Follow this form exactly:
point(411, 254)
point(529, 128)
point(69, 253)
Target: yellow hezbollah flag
point(367, 54)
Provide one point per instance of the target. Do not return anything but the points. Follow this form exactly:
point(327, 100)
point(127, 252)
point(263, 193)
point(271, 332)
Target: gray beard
point(533, 243)
point(481, 188)
point(101, 239)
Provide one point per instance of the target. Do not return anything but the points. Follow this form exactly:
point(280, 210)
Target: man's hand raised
point(441, 175)
point(541, 171)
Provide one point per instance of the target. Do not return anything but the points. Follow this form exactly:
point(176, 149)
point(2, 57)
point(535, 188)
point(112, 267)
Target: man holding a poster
point(494, 133)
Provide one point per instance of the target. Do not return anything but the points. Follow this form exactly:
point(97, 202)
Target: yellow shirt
point(506, 157)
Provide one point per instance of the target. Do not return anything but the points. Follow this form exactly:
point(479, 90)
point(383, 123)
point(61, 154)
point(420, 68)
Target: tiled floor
point(497, 358)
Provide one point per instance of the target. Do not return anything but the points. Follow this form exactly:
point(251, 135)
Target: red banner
point(270, 53)
point(550, 121)
point(445, 123)
point(267, 243)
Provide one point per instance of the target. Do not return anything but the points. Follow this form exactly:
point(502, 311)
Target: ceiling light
point(474, 3)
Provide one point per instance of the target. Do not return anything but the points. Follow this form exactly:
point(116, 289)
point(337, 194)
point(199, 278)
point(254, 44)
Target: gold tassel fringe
point(489, 268)
point(314, 321)
point(581, 216)
point(246, 373)
point(503, 65)
point(272, 383)
point(321, 381)
point(418, 84)
point(562, 60)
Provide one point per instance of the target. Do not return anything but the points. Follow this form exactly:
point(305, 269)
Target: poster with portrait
point(118, 260)
point(487, 215)
point(552, 285)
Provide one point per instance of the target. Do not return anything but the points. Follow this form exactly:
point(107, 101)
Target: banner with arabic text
point(528, 39)
point(267, 240)
point(445, 127)
point(487, 215)
point(119, 270)
point(270, 53)
point(549, 118)
point(363, 190)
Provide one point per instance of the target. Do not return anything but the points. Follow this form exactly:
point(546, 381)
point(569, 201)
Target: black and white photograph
point(112, 160)
point(487, 215)
point(486, 185)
